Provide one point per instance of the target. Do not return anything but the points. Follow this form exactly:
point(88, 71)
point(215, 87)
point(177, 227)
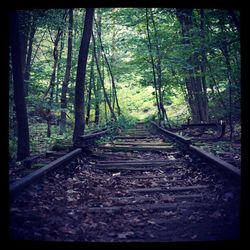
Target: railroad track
point(142, 186)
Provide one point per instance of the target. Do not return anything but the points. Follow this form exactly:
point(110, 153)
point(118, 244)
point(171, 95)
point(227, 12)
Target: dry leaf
point(125, 235)
point(194, 237)
point(215, 215)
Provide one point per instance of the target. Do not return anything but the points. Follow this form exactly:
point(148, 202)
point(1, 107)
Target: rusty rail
point(23, 182)
point(219, 126)
point(208, 157)
point(18, 185)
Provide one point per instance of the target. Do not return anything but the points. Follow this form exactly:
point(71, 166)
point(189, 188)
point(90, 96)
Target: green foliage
point(125, 43)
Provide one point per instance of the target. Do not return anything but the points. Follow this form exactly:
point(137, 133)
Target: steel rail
point(208, 157)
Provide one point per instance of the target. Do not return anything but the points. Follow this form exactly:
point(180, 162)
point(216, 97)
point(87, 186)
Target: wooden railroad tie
point(136, 148)
point(163, 206)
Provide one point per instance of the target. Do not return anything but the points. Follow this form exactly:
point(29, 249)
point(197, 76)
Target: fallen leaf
point(215, 215)
point(151, 222)
point(71, 191)
point(194, 237)
point(116, 174)
point(67, 230)
point(125, 235)
point(59, 198)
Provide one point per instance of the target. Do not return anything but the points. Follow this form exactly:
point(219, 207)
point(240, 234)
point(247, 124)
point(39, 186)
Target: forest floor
point(86, 203)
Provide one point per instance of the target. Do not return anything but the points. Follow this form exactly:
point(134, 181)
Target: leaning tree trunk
point(153, 67)
point(67, 76)
point(80, 76)
point(110, 71)
point(23, 148)
point(159, 72)
point(113, 116)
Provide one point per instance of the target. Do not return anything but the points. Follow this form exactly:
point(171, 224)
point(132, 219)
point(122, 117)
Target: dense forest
point(73, 71)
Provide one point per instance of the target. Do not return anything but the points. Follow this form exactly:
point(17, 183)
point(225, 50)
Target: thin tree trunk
point(38, 47)
point(29, 55)
point(62, 125)
point(231, 78)
point(59, 68)
point(153, 66)
point(52, 82)
point(159, 72)
point(96, 88)
point(23, 148)
point(91, 83)
point(80, 77)
point(110, 71)
point(113, 116)
point(203, 66)
point(23, 48)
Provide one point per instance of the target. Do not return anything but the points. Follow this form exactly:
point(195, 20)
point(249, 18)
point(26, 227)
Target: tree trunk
point(29, 55)
point(231, 79)
point(197, 101)
point(159, 72)
point(203, 66)
point(96, 88)
point(59, 68)
point(153, 67)
point(113, 116)
point(110, 71)
point(23, 148)
point(91, 83)
point(67, 76)
point(52, 82)
point(80, 76)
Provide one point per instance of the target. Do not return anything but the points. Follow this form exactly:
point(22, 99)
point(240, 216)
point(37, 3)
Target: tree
point(110, 71)
point(23, 148)
point(52, 79)
point(33, 28)
point(196, 97)
point(113, 116)
point(67, 75)
point(91, 83)
point(153, 68)
point(80, 77)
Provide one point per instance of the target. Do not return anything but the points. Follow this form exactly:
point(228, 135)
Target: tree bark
point(197, 101)
point(80, 76)
point(23, 148)
point(62, 125)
